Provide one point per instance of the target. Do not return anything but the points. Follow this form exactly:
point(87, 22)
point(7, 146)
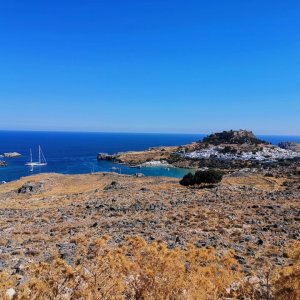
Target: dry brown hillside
point(252, 218)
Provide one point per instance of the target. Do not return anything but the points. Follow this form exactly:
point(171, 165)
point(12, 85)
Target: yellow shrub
point(287, 286)
point(137, 270)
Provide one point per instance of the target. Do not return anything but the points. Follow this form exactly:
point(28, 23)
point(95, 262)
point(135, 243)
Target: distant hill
point(233, 137)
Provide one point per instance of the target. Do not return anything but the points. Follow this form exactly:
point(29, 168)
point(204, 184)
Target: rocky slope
point(140, 157)
point(255, 215)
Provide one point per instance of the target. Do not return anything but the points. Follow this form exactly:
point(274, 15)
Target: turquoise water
point(75, 153)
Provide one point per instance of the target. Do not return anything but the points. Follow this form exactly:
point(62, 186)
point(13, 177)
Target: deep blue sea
point(75, 153)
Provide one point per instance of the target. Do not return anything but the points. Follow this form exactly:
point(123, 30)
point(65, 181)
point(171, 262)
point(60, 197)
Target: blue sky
point(150, 66)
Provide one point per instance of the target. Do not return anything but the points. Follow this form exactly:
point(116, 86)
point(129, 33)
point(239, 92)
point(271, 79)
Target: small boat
point(42, 160)
point(115, 169)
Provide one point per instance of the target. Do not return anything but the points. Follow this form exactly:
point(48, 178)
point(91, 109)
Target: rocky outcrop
point(233, 137)
point(105, 156)
point(114, 185)
point(3, 163)
point(150, 156)
point(11, 154)
point(30, 188)
point(290, 146)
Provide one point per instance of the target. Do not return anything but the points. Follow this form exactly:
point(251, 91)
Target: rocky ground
point(139, 157)
point(254, 213)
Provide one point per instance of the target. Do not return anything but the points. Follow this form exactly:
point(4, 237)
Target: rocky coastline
point(228, 150)
point(8, 155)
point(253, 214)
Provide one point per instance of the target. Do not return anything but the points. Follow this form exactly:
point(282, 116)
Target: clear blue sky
point(150, 66)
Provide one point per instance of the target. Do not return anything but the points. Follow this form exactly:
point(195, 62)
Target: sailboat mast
point(30, 155)
point(39, 154)
point(43, 156)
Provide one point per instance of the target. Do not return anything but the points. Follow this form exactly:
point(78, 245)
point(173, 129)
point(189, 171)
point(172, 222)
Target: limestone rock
point(10, 293)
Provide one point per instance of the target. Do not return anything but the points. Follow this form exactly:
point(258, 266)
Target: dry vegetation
point(137, 270)
point(163, 241)
point(139, 157)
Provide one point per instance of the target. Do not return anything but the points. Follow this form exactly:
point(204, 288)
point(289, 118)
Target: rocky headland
point(228, 150)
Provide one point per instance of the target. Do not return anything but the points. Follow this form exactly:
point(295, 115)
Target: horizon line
point(140, 132)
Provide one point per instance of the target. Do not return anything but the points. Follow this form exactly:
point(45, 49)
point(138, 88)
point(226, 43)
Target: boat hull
point(35, 164)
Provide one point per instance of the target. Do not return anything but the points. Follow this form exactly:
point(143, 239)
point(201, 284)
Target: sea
point(76, 152)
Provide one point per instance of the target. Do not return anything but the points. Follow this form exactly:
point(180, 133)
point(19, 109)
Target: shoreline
point(253, 212)
point(194, 156)
point(179, 159)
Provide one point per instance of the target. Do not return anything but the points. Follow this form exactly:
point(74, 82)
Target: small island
point(11, 154)
point(8, 155)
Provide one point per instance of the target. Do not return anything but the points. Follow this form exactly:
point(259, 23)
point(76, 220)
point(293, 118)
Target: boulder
point(10, 293)
point(30, 187)
point(113, 186)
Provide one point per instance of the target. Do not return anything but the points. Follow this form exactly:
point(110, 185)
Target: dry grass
point(65, 210)
point(287, 283)
point(134, 270)
point(138, 157)
point(137, 270)
point(258, 181)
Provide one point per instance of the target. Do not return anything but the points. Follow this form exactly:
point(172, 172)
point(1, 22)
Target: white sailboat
point(42, 160)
